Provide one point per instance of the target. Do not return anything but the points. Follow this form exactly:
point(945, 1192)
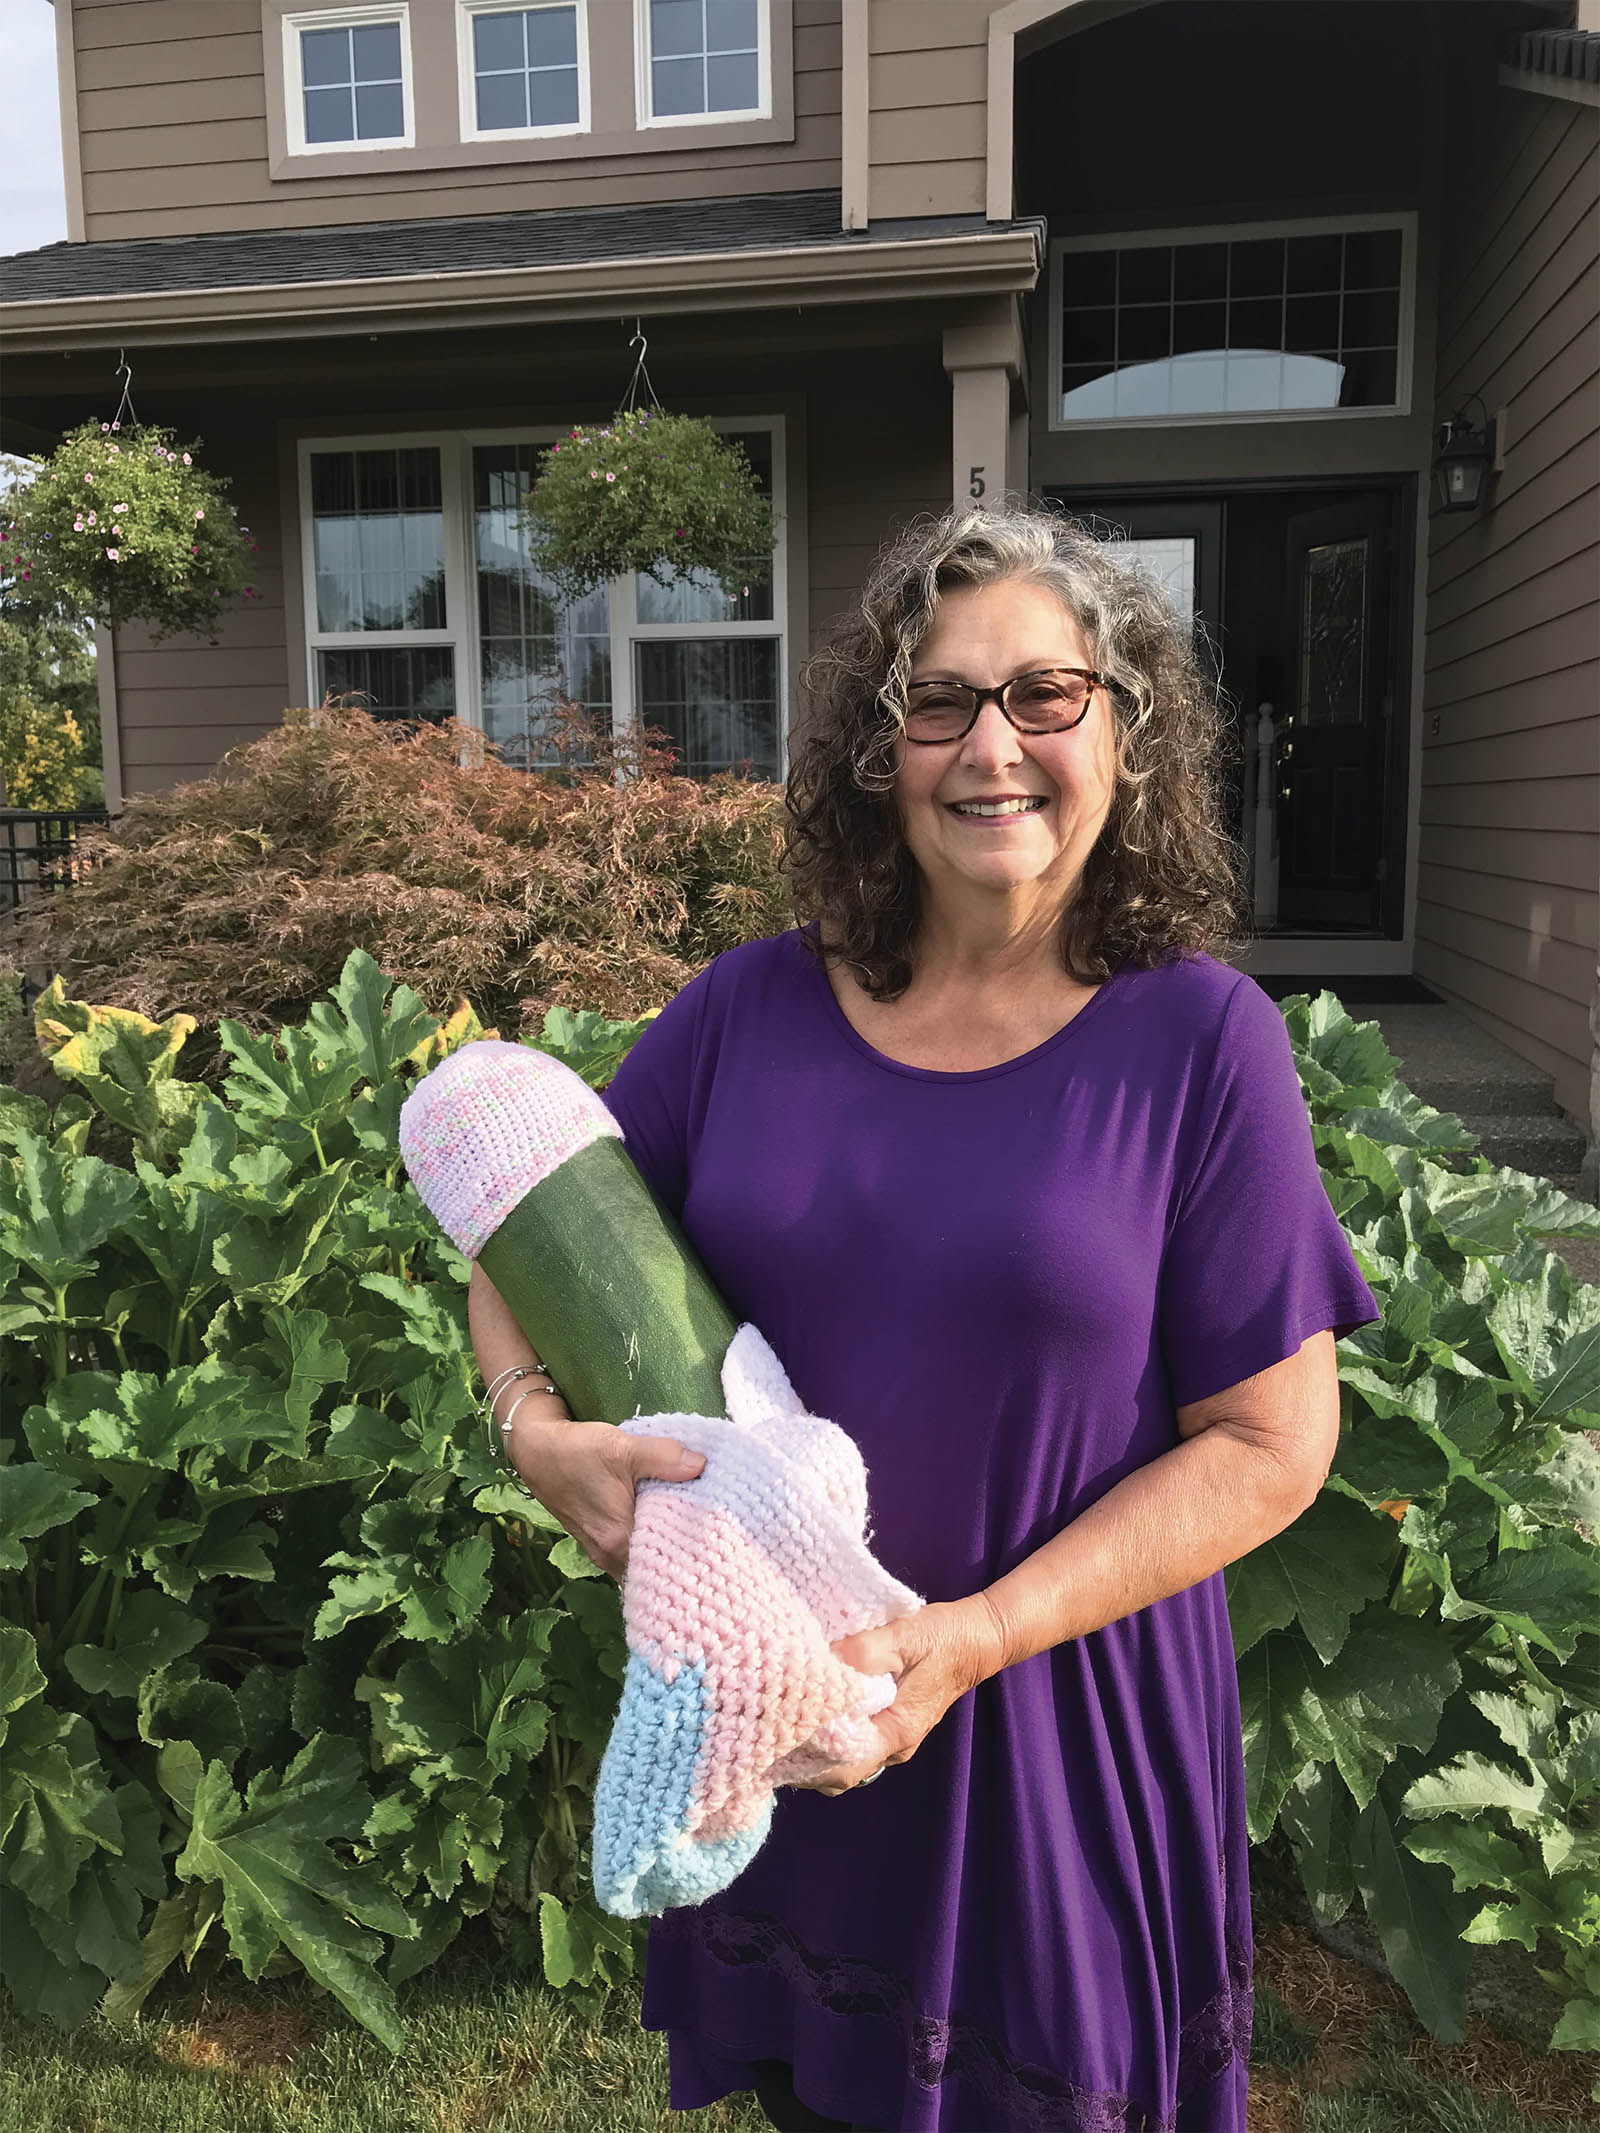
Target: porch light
point(1466, 453)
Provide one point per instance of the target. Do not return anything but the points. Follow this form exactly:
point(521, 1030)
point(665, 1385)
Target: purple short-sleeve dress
point(1001, 1283)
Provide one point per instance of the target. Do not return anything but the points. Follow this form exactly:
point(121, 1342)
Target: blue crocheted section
point(643, 1861)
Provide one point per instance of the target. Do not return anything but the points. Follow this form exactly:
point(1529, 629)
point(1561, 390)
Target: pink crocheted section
point(770, 1680)
point(488, 1125)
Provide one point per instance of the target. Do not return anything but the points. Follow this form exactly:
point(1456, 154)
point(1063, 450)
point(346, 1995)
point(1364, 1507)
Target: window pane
point(677, 86)
point(1089, 277)
point(1372, 259)
point(553, 37)
point(1257, 267)
point(1314, 263)
point(553, 98)
point(502, 101)
point(1333, 634)
point(718, 700)
point(378, 540)
point(497, 41)
point(1144, 332)
point(396, 681)
point(732, 84)
point(375, 51)
point(676, 26)
point(699, 597)
point(730, 25)
point(1145, 276)
point(380, 113)
point(330, 115)
point(324, 58)
point(1280, 342)
point(1200, 271)
point(537, 653)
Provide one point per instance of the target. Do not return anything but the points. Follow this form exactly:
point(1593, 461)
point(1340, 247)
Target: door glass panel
point(377, 536)
point(717, 698)
point(396, 681)
point(699, 598)
point(1170, 561)
point(537, 653)
point(1333, 634)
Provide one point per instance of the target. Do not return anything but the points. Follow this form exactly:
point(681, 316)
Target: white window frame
point(294, 107)
point(1404, 220)
point(467, 12)
point(643, 84)
point(462, 633)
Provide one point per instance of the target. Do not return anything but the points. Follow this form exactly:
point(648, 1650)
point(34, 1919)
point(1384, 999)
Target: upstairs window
point(522, 69)
point(1284, 319)
point(705, 59)
point(348, 79)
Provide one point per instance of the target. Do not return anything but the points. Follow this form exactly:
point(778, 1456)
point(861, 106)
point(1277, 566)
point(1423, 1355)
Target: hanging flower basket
point(124, 527)
point(661, 494)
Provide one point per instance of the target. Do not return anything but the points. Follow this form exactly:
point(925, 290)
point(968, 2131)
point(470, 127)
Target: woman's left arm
point(1249, 1462)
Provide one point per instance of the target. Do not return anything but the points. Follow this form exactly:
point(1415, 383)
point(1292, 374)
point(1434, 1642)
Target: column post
point(983, 354)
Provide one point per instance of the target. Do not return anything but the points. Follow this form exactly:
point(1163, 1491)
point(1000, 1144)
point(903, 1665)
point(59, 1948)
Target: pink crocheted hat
point(737, 1583)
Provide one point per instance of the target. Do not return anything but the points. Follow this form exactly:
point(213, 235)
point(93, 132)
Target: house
point(1214, 273)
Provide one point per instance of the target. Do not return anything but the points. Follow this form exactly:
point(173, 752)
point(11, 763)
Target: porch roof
point(683, 255)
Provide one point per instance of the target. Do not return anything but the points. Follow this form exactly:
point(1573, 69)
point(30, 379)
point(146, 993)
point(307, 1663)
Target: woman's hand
point(936, 1656)
point(585, 1473)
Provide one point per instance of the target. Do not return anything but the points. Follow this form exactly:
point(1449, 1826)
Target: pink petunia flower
point(187, 460)
point(115, 554)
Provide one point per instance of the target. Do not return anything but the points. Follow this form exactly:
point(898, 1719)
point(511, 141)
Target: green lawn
point(1335, 2053)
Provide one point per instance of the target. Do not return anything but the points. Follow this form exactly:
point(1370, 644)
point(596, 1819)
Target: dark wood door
point(1333, 743)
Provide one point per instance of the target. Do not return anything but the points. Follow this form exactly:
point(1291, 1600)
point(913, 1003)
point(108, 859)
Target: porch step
point(1546, 1145)
point(1454, 1065)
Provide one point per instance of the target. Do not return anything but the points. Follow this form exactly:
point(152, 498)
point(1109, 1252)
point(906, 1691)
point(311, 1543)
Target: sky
point(33, 209)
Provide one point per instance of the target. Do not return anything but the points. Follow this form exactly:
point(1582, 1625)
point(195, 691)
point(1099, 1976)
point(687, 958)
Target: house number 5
point(975, 482)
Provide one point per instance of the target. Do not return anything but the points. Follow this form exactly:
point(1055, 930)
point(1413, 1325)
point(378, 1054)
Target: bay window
point(420, 598)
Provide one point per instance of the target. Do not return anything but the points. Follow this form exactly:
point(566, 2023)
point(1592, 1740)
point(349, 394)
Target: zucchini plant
point(291, 1675)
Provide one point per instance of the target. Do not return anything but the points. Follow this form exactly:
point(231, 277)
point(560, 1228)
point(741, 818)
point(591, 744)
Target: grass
point(485, 2055)
point(1335, 2052)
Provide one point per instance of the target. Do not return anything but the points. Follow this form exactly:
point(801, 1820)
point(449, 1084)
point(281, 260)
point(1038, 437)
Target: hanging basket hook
point(125, 404)
point(641, 375)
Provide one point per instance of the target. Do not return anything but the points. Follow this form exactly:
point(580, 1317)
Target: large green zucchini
point(609, 1291)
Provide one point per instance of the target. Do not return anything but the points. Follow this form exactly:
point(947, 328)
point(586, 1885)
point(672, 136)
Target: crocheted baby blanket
point(737, 1583)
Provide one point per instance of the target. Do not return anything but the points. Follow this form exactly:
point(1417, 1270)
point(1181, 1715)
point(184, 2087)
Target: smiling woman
point(1018, 1181)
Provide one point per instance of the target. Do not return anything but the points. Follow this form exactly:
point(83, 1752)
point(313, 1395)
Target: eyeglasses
point(1052, 700)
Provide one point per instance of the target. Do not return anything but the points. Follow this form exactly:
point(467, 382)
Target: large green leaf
point(436, 1591)
point(1320, 1818)
point(474, 1709)
point(34, 1499)
point(1547, 1594)
point(1386, 1690)
point(151, 1420)
point(125, 1063)
point(284, 1883)
point(1418, 1918)
point(1320, 1571)
point(57, 1211)
point(151, 1631)
point(371, 1020)
point(287, 1080)
point(269, 1259)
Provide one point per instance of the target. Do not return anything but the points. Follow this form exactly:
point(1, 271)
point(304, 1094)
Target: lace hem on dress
point(1031, 2098)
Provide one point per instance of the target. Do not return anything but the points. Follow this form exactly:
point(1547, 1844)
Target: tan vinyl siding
point(183, 703)
point(867, 477)
point(172, 118)
point(1509, 839)
point(928, 86)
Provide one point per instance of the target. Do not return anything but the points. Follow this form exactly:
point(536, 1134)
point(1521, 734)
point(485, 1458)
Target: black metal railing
point(38, 847)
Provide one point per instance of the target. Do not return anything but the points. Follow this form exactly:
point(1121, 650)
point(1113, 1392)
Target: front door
point(1298, 603)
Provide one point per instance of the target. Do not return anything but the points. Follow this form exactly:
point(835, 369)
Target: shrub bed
point(603, 886)
point(291, 1671)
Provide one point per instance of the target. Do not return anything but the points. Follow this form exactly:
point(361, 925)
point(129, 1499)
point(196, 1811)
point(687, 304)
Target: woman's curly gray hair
point(1163, 877)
